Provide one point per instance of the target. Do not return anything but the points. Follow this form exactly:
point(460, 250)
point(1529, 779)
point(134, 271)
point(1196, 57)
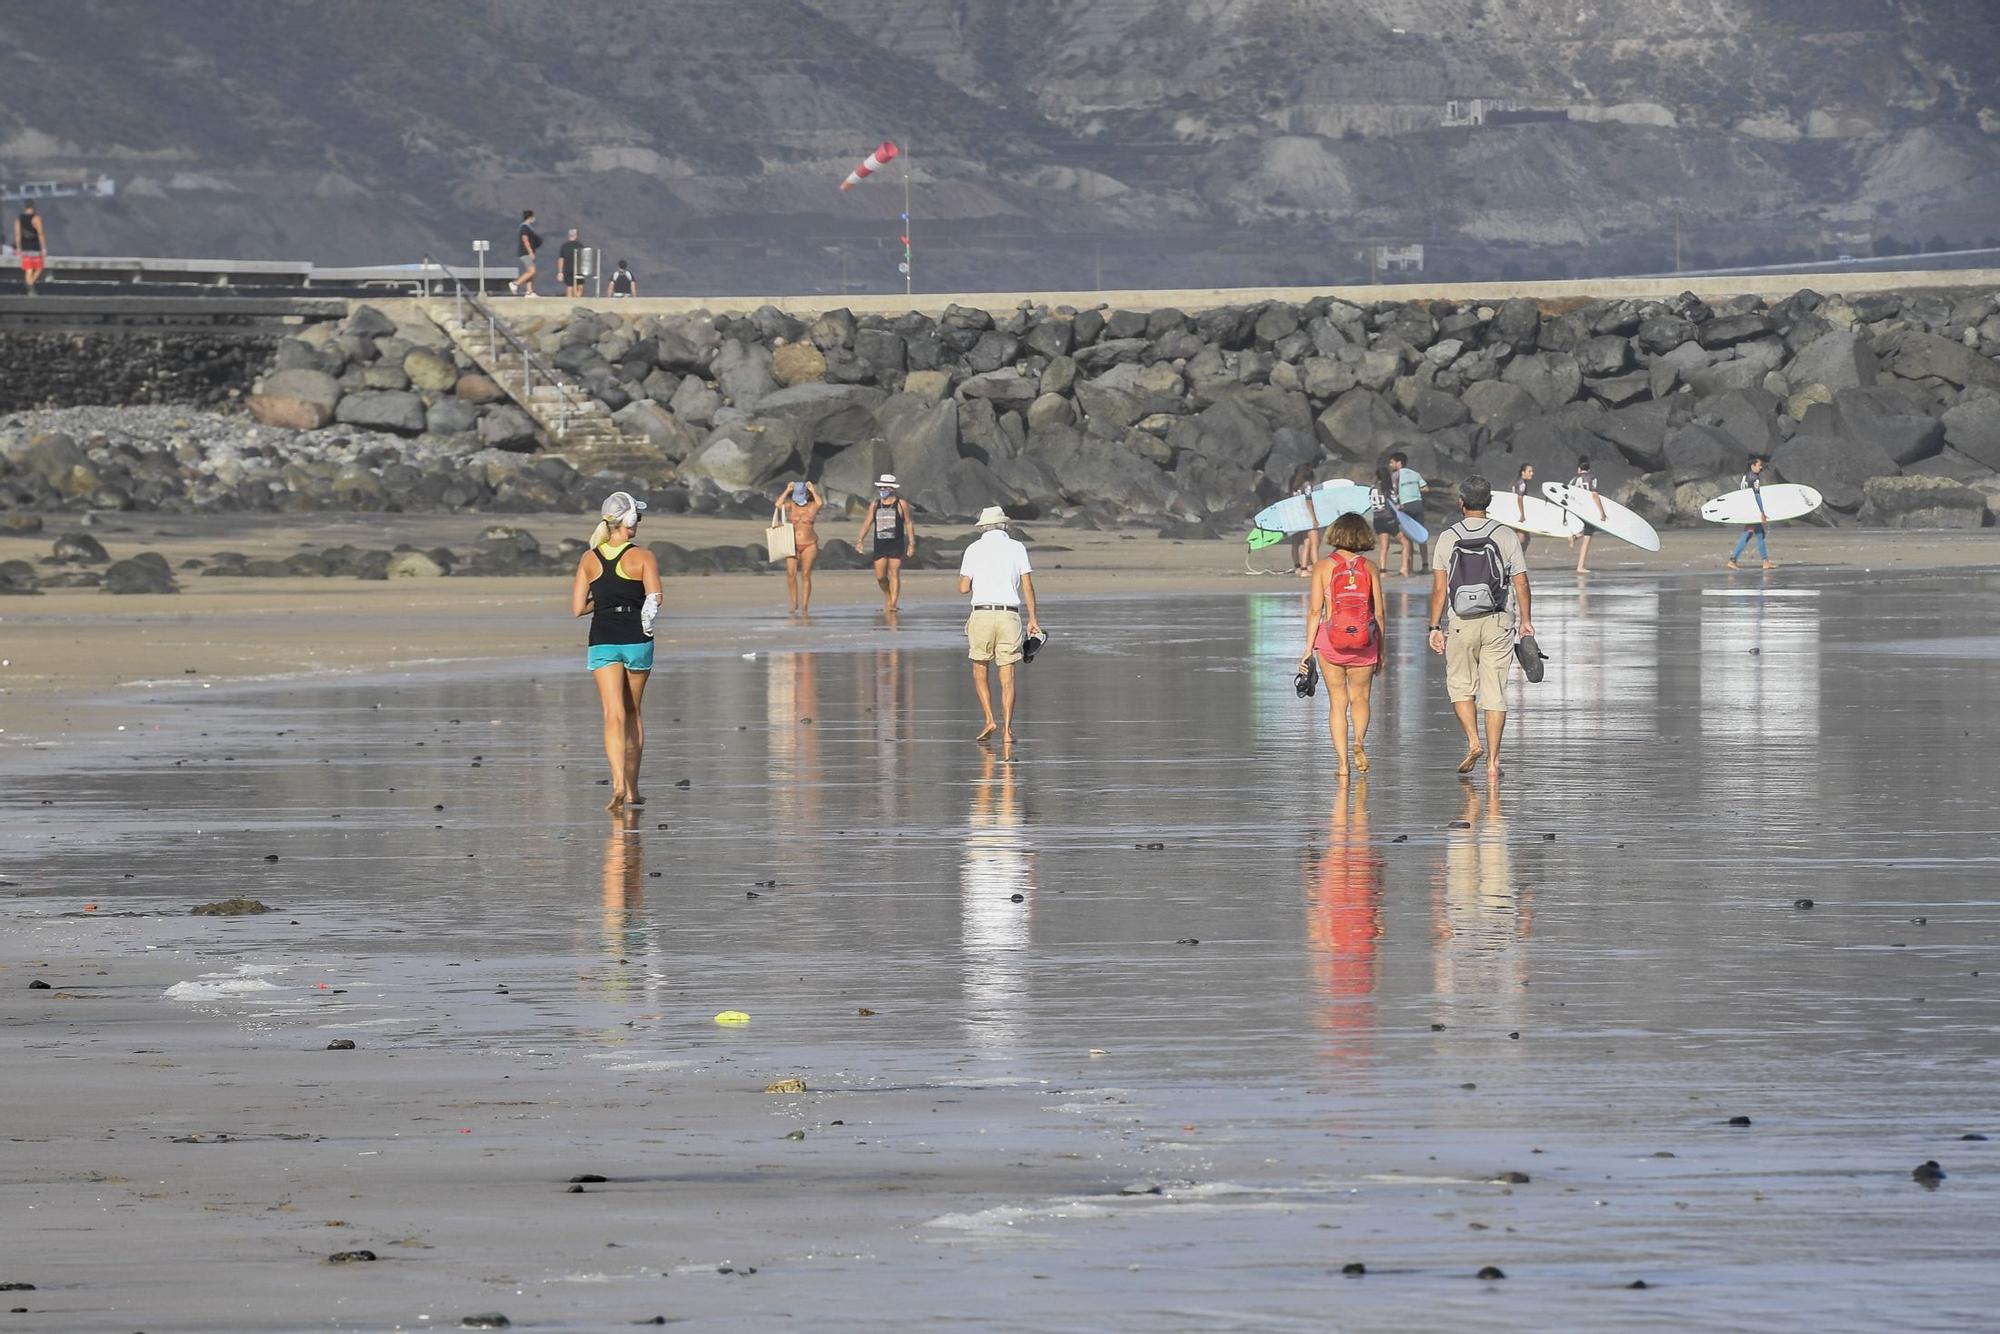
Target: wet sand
point(1239, 1029)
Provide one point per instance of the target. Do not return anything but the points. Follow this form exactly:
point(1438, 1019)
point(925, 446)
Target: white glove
point(649, 613)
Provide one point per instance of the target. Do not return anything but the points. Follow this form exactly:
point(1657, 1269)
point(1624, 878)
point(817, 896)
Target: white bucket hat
point(620, 508)
point(888, 479)
point(992, 517)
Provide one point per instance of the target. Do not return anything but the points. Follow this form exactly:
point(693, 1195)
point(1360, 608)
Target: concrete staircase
point(580, 427)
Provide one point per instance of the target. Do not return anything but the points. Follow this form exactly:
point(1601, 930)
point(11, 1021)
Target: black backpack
point(1476, 577)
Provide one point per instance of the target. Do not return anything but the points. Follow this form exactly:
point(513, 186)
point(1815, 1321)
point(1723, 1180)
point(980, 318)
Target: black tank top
point(31, 236)
point(615, 602)
point(888, 525)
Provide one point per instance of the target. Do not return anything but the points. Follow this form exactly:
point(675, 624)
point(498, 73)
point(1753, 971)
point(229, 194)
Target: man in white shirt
point(995, 571)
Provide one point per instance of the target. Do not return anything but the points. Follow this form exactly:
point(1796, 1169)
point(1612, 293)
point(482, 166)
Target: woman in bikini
point(799, 504)
point(618, 586)
point(1344, 626)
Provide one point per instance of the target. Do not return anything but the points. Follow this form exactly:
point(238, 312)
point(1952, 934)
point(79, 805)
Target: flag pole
point(908, 265)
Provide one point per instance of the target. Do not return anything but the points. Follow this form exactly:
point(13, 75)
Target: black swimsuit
point(615, 602)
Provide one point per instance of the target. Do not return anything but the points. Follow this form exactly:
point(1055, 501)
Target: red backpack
point(1348, 622)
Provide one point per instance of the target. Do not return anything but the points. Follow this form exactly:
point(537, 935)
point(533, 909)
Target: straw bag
point(779, 539)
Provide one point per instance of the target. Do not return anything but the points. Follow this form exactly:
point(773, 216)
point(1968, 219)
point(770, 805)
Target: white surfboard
point(1614, 518)
point(1330, 500)
point(1782, 500)
point(1532, 514)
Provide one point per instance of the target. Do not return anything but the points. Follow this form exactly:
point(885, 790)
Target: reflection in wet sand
point(1480, 919)
point(1344, 926)
point(791, 711)
point(1603, 676)
point(994, 866)
point(626, 939)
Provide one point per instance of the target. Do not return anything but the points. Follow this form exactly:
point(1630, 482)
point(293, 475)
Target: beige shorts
point(1477, 654)
point(994, 636)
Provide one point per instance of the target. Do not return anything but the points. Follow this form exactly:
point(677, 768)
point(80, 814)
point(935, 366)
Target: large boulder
point(1840, 359)
point(1729, 330)
point(825, 414)
point(430, 370)
point(1101, 472)
point(1972, 427)
point(1695, 452)
point(479, 390)
point(1921, 502)
point(1747, 416)
point(413, 565)
point(695, 402)
point(1231, 432)
point(451, 416)
point(1004, 388)
point(313, 386)
point(1550, 378)
point(797, 363)
point(923, 444)
point(746, 455)
point(992, 350)
point(368, 322)
point(1361, 424)
point(78, 549)
point(508, 427)
point(397, 411)
point(661, 428)
point(1497, 405)
point(148, 572)
point(1518, 322)
point(881, 351)
point(1126, 393)
point(1889, 418)
point(1663, 333)
point(1916, 355)
point(291, 414)
point(1725, 377)
point(1604, 355)
point(1834, 466)
point(743, 372)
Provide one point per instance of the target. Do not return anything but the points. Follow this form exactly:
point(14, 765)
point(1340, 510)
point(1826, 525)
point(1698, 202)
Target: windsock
point(871, 164)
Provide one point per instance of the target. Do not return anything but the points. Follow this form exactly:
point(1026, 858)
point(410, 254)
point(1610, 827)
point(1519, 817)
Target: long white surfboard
point(1532, 514)
point(1330, 500)
point(1614, 518)
point(1782, 500)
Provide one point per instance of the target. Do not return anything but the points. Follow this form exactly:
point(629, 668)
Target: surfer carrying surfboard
point(1522, 481)
point(1305, 546)
point(1753, 482)
point(1344, 621)
point(1409, 494)
point(1586, 480)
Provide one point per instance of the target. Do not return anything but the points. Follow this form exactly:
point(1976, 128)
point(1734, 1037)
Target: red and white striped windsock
point(871, 164)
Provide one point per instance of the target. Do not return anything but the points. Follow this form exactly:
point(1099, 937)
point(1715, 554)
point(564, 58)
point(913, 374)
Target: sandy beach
point(1152, 1027)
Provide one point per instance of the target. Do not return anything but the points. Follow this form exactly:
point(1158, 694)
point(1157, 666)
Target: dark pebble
point(1459, 824)
point(752, 894)
point(341, 1044)
point(270, 856)
point(1638, 1284)
point(1920, 921)
point(685, 783)
point(491, 1319)
point(1739, 1120)
point(588, 1179)
point(1512, 1178)
point(1802, 903)
point(1437, 1028)
point(1354, 1268)
point(1017, 898)
point(1756, 652)
point(1187, 940)
point(652, 875)
point(1975, 1136)
point(350, 1257)
point(1927, 1172)
point(661, 825)
point(574, 1190)
point(38, 985)
point(1548, 838)
point(1515, 1035)
point(17, 1287)
point(1400, 838)
point(1491, 1272)
point(438, 807)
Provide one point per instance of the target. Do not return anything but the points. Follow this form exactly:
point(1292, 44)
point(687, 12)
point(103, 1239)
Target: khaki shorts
point(994, 636)
point(1477, 654)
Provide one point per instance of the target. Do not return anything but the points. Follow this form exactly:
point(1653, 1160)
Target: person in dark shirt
point(568, 262)
point(31, 243)
point(1753, 482)
point(527, 242)
point(623, 283)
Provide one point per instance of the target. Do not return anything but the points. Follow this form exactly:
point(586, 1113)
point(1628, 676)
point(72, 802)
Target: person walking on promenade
point(569, 262)
point(1382, 516)
point(996, 573)
point(526, 242)
point(888, 537)
point(1753, 482)
point(617, 585)
point(31, 243)
point(1524, 483)
point(1344, 626)
point(1586, 480)
point(622, 281)
point(1409, 496)
point(799, 504)
point(1481, 578)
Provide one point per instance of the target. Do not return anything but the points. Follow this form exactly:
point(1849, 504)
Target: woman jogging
point(1344, 626)
point(799, 505)
point(618, 585)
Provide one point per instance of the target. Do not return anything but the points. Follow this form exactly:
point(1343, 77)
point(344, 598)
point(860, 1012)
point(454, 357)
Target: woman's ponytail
point(600, 534)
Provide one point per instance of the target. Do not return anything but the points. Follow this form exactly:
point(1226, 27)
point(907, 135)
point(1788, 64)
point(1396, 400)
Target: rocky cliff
point(1055, 145)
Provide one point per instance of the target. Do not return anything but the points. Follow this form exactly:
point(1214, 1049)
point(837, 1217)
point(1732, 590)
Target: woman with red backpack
point(1344, 626)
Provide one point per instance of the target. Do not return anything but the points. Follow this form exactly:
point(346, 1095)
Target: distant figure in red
point(31, 242)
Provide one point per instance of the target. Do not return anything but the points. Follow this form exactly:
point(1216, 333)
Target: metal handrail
point(531, 360)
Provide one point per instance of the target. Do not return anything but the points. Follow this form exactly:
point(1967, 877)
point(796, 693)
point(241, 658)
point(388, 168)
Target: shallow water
point(1383, 1012)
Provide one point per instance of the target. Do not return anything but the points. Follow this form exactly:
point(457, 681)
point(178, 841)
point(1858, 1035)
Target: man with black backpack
point(1481, 578)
